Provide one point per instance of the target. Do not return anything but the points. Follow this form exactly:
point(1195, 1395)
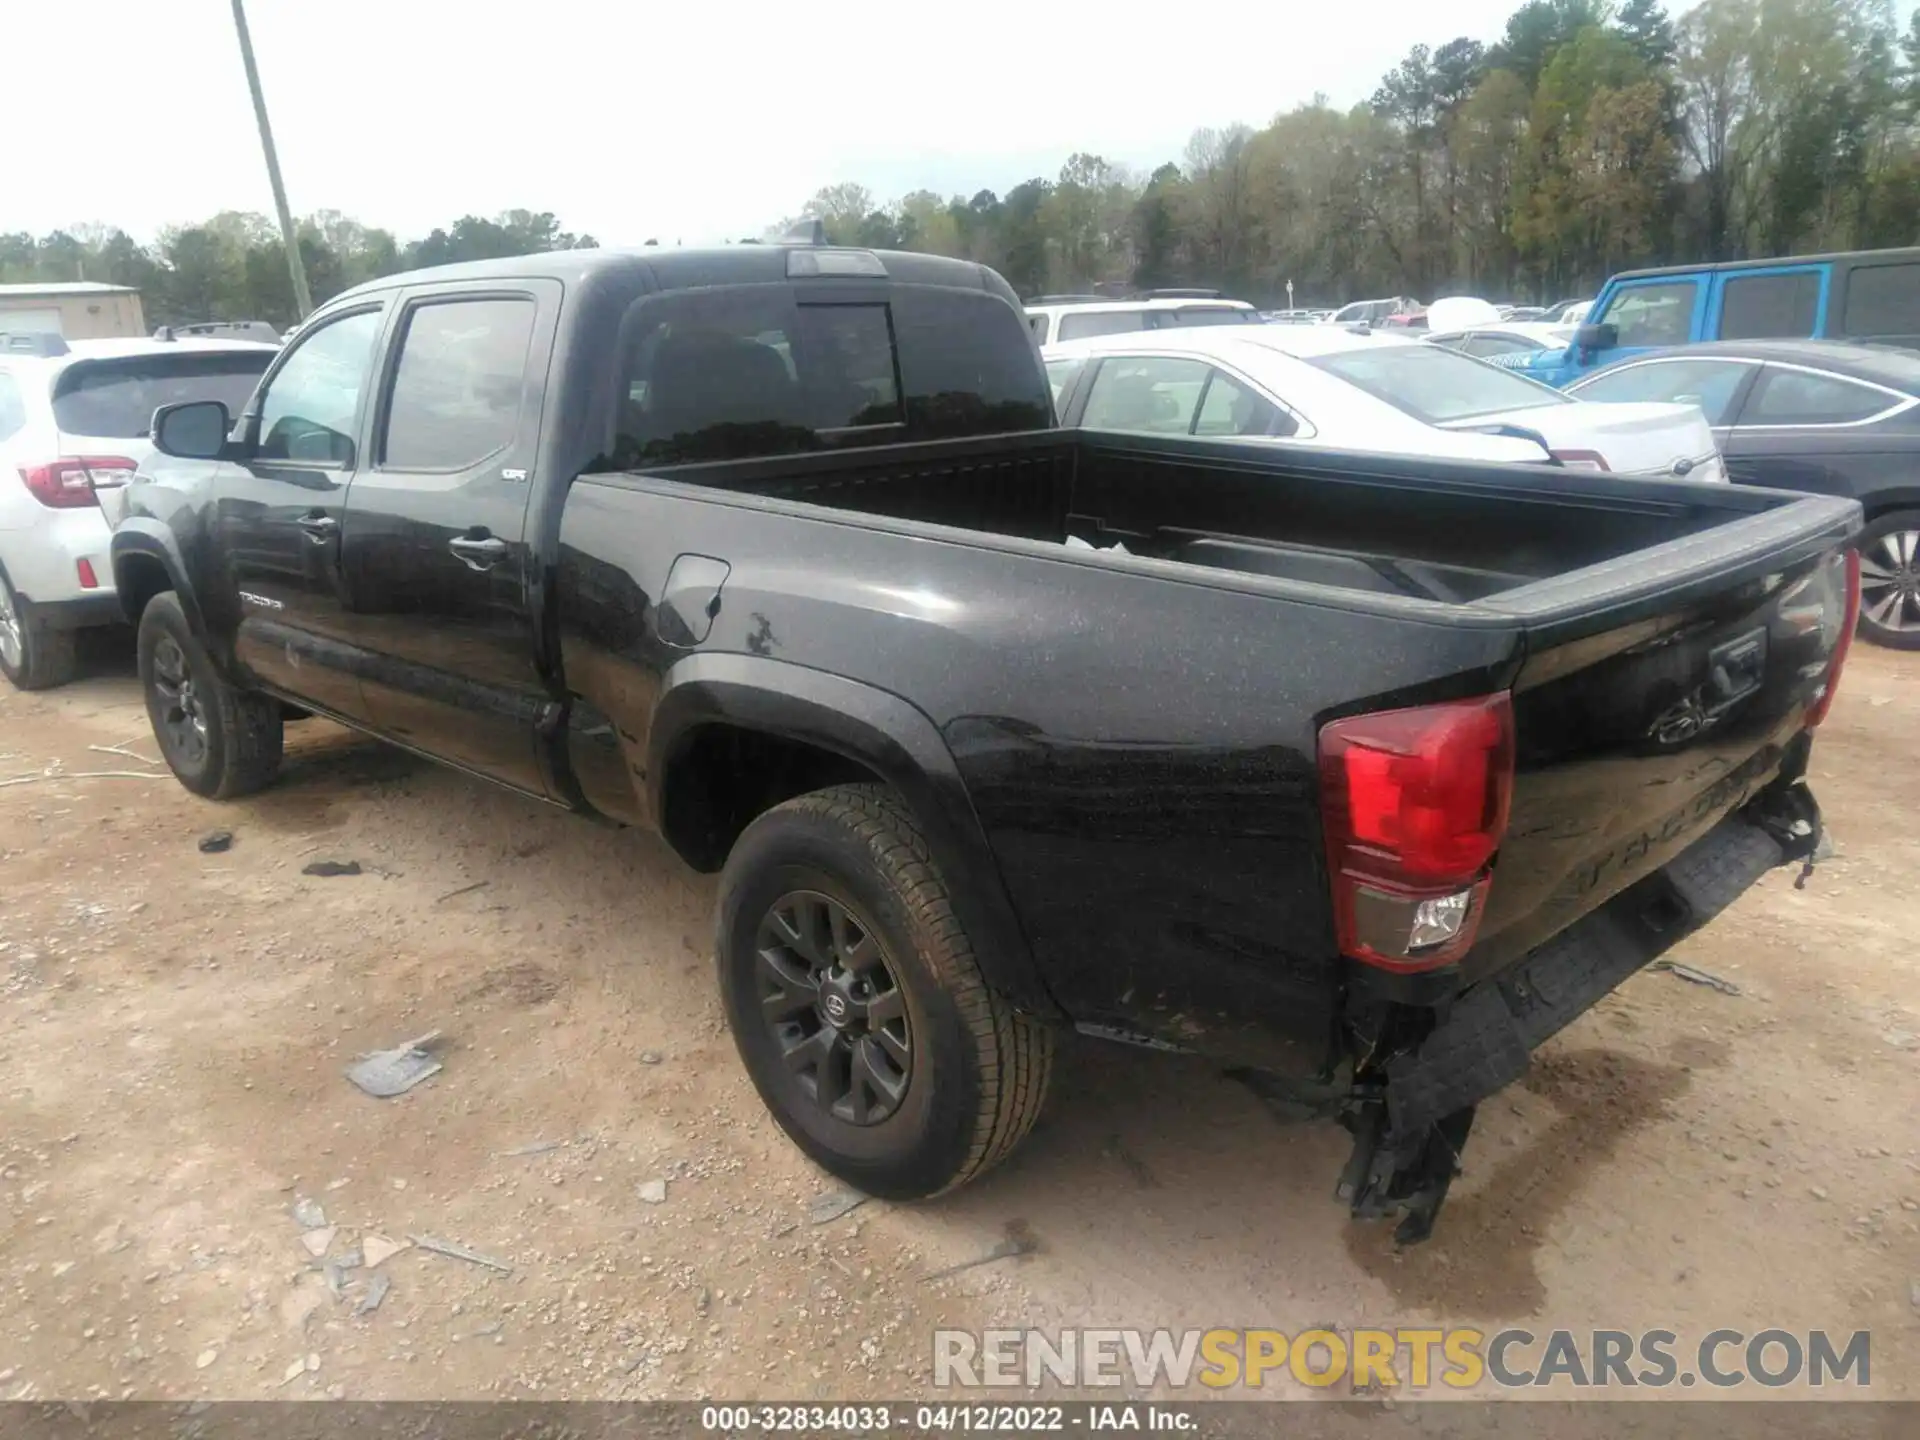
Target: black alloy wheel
point(179, 719)
point(833, 1005)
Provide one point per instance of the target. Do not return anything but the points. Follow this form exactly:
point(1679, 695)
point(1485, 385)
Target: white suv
point(73, 417)
point(1057, 318)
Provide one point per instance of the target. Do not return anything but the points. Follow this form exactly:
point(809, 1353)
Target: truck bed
point(1433, 531)
point(1114, 716)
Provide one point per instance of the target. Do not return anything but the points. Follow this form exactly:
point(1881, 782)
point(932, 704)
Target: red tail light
point(1850, 621)
point(67, 483)
point(1414, 803)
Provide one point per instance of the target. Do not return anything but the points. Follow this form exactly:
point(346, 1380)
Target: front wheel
point(857, 1004)
point(1890, 580)
point(218, 741)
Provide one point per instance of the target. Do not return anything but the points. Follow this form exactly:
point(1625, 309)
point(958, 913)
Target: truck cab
point(1868, 297)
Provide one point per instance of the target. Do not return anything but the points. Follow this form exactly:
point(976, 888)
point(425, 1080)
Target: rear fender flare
point(886, 735)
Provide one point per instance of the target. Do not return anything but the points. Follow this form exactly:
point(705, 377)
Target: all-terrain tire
point(979, 1068)
point(235, 748)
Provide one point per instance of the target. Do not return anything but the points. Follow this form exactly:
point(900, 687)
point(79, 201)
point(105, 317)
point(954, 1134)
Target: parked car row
point(1378, 391)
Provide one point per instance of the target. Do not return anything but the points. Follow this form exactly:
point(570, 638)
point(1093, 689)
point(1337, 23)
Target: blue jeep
point(1870, 296)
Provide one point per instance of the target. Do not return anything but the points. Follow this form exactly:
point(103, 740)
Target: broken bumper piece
point(1409, 1130)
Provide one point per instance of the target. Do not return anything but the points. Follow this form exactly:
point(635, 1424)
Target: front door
point(435, 549)
point(1647, 315)
point(279, 510)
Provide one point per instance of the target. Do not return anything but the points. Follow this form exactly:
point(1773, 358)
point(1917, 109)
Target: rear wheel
point(33, 655)
point(1890, 580)
point(857, 1004)
point(218, 741)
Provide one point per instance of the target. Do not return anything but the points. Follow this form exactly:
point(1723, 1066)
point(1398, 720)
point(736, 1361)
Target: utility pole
point(302, 299)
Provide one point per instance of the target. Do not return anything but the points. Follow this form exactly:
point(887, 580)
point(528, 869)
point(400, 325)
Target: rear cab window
point(115, 398)
point(747, 371)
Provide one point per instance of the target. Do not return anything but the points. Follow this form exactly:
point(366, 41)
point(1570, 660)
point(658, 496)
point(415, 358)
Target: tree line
point(234, 266)
point(1588, 137)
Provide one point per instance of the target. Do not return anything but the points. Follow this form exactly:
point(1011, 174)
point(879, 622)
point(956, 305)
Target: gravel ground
point(187, 1180)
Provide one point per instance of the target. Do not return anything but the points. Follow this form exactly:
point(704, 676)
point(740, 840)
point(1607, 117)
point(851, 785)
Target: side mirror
point(194, 430)
point(1596, 337)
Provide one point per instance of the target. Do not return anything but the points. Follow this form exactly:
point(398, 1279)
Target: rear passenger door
point(435, 544)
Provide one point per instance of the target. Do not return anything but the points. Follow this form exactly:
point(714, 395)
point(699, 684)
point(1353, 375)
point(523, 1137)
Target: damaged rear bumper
point(1410, 1117)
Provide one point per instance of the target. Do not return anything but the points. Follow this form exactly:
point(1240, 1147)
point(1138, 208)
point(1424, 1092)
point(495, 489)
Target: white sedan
point(1326, 385)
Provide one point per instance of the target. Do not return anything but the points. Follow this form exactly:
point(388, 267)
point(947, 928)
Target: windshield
point(1435, 384)
point(115, 399)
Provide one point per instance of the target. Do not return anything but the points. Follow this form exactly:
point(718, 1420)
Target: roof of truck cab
point(675, 269)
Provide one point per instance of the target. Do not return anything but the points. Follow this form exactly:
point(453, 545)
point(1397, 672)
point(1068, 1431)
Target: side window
point(13, 407)
point(457, 386)
point(1154, 396)
point(1656, 314)
point(1060, 375)
point(1710, 384)
point(1795, 397)
point(1759, 307)
point(311, 410)
point(1883, 300)
point(1079, 325)
point(1230, 408)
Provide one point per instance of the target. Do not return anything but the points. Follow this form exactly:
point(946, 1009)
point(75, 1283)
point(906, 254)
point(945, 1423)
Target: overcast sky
point(691, 121)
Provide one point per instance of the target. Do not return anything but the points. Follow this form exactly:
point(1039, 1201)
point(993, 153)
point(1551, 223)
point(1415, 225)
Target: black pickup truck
point(1361, 773)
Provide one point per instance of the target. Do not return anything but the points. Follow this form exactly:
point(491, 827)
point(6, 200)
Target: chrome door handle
point(319, 528)
point(480, 552)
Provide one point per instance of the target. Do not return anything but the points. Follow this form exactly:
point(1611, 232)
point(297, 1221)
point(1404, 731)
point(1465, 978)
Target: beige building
point(78, 310)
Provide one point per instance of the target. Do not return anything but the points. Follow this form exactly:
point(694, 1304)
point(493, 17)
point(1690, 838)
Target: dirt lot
point(173, 1027)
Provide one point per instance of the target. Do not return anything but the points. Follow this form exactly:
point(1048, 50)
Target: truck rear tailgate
point(1658, 694)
